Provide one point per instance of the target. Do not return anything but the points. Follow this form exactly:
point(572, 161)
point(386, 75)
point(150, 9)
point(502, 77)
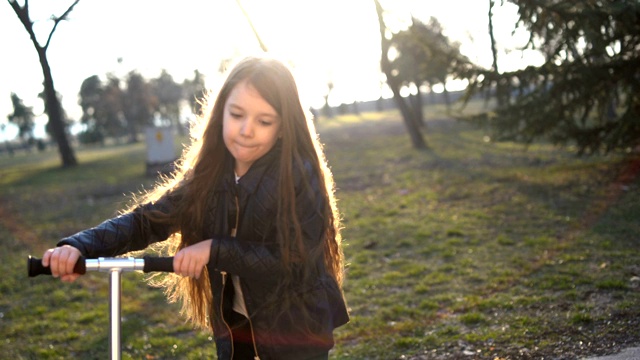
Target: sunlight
point(327, 42)
point(330, 42)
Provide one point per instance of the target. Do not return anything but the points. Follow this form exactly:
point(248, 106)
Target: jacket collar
point(249, 181)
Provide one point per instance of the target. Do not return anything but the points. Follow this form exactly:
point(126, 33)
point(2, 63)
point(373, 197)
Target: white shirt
point(239, 305)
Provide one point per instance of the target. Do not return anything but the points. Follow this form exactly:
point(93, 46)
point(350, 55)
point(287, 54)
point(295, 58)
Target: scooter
point(115, 267)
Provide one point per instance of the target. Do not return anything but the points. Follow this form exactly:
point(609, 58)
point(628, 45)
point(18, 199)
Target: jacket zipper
point(224, 281)
point(234, 232)
point(253, 338)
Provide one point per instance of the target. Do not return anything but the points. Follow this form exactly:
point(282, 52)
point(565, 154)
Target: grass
point(471, 247)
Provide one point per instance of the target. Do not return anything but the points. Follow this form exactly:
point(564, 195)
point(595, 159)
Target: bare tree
point(52, 104)
point(410, 119)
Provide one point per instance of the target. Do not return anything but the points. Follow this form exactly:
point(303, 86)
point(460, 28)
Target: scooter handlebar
point(149, 264)
point(35, 267)
point(161, 264)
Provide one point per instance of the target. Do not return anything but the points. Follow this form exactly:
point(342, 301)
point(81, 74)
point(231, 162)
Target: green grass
point(471, 242)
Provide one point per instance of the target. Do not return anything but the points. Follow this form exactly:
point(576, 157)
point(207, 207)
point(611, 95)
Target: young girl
point(251, 217)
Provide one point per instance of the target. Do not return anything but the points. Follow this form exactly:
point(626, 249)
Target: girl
point(251, 217)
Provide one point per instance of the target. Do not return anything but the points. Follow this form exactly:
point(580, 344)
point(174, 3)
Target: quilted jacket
point(253, 255)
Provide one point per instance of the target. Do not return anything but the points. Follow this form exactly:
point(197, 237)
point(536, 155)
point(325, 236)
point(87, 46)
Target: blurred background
point(333, 46)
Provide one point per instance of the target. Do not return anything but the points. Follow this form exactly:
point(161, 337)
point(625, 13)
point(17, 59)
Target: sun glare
point(328, 44)
point(332, 42)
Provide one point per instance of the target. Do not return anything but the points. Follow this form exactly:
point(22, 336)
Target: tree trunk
point(413, 127)
point(500, 93)
point(380, 104)
point(494, 50)
point(132, 126)
point(52, 107)
point(356, 108)
point(410, 121)
point(447, 99)
point(418, 106)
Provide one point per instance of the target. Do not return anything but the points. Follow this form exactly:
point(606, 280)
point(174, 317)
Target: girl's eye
point(265, 122)
point(235, 115)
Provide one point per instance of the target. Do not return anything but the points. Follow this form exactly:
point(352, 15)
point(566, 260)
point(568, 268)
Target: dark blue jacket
point(279, 327)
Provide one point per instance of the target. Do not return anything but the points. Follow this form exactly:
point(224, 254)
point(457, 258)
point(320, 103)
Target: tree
point(90, 100)
point(52, 104)
point(112, 107)
point(326, 107)
point(139, 103)
point(66, 122)
point(23, 118)
point(425, 56)
point(410, 64)
point(587, 92)
point(194, 91)
point(169, 94)
point(90, 96)
point(102, 109)
point(411, 122)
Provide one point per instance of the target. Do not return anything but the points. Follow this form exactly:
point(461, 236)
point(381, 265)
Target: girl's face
point(250, 126)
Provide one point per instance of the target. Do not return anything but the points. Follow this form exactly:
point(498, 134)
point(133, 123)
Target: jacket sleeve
point(245, 259)
point(254, 259)
point(128, 232)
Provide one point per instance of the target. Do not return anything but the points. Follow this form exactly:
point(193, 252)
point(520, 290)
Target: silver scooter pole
point(115, 267)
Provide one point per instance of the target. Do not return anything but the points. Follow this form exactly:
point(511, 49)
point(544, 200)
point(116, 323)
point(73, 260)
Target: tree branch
point(255, 32)
point(23, 16)
point(57, 21)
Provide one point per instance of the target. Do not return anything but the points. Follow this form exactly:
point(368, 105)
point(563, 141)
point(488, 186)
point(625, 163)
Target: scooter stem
point(114, 311)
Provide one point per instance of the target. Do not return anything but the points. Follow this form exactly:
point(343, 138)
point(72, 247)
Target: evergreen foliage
point(587, 92)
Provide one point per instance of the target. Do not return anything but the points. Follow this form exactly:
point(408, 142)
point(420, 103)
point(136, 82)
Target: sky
point(329, 40)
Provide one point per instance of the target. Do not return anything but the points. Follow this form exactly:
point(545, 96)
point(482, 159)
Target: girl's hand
point(61, 261)
point(191, 260)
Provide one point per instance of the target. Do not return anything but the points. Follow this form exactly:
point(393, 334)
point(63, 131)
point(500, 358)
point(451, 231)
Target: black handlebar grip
point(35, 267)
point(162, 264)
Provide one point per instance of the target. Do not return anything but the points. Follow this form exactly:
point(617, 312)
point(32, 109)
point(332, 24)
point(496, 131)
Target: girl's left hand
point(191, 260)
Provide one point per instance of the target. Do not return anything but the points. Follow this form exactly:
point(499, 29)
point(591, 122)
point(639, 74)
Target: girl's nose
point(247, 128)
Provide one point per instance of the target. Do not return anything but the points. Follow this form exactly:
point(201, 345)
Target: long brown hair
point(205, 159)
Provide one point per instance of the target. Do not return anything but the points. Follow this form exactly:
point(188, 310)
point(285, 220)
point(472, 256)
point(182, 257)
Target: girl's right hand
point(191, 260)
point(61, 261)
